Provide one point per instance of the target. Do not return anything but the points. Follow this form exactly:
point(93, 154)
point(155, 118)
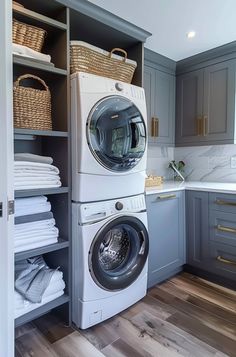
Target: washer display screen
point(116, 133)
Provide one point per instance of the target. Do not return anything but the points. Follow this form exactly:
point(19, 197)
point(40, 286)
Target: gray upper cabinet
point(159, 85)
point(205, 108)
point(166, 226)
point(219, 102)
point(189, 104)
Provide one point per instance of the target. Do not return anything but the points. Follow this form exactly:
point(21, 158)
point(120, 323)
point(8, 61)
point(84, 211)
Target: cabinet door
point(149, 86)
point(189, 105)
point(160, 98)
point(219, 101)
point(165, 107)
point(166, 235)
point(197, 228)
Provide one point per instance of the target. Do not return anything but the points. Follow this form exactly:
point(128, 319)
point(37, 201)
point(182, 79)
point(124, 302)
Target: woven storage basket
point(32, 107)
point(152, 181)
point(28, 35)
point(91, 59)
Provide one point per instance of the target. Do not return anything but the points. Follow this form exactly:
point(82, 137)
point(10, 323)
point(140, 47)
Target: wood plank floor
point(184, 316)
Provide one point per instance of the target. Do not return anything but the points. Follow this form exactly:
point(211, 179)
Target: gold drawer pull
point(226, 229)
point(165, 197)
point(225, 203)
point(199, 126)
point(226, 261)
point(205, 125)
point(155, 127)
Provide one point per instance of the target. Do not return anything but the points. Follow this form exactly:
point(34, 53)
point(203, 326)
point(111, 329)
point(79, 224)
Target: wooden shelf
point(28, 134)
point(40, 65)
point(42, 250)
point(41, 191)
point(36, 18)
point(41, 310)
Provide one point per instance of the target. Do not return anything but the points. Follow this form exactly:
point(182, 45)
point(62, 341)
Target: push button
point(119, 86)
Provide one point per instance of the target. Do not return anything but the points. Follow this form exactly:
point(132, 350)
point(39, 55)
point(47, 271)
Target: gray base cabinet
point(197, 228)
point(166, 225)
point(211, 233)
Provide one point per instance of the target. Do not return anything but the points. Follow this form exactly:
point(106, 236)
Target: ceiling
point(169, 21)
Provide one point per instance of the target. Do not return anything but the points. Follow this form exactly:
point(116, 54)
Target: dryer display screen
point(116, 133)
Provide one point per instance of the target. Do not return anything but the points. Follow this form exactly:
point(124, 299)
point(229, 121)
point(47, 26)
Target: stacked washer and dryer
point(109, 224)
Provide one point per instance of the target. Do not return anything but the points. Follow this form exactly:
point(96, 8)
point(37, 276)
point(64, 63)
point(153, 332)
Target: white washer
point(109, 138)
point(110, 249)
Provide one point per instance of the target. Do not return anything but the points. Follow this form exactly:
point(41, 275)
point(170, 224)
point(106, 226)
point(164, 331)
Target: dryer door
point(118, 253)
point(116, 133)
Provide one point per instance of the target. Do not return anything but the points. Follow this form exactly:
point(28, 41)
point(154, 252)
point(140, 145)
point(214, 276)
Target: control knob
point(119, 206)
point(119, 86)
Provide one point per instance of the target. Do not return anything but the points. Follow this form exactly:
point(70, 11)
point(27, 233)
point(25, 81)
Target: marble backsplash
point(208, 163)
point(158, 159)
point(203, 163)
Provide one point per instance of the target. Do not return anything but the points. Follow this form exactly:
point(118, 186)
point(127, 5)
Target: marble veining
point(203, 163)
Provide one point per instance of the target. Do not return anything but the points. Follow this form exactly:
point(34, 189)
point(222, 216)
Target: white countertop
point(170, 186)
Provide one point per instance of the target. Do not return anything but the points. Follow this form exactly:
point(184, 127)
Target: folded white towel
point(30, 201)
point(21, 309)
point(46, 223)
point(28, 52)
point(35, 186)
point(34, 166)
point(28, 210)
point(36, 236)
point(34, 245)
point(28, 174)
point(43, 179)
point(33, 158)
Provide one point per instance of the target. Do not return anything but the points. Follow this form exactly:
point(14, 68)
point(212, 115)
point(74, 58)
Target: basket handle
point(25, 76)
point(119, 50)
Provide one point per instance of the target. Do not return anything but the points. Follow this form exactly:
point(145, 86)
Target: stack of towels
point(34, 171)
point(36, 284)
point(25, 51)
point(40, 230)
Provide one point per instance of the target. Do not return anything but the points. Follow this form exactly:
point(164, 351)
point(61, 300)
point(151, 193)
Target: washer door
point(116, 133)
point(118, 253)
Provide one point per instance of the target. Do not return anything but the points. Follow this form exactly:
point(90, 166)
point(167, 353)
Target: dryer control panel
point(96, 211)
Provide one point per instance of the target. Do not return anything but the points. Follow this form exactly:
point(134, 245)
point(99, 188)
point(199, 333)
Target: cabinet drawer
point(161, 197)
point(222, 202)
point(223, 227)
point(222, 260)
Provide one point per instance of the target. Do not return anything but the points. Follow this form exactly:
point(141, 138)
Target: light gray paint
point(167, 241)
point(6, 186)
point(170, 20)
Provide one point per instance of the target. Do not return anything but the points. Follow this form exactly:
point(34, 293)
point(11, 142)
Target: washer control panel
point(96, 211)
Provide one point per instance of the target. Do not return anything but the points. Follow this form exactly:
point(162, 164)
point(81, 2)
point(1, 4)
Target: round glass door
point(118, 253)
point(116, 133)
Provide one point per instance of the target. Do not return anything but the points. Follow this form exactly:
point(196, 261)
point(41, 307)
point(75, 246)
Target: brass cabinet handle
point(199, 126)
point(165, 197)
point(205, 125)
point(225, 203)
point(155, 127)
point(226, 261)
point(219, 227)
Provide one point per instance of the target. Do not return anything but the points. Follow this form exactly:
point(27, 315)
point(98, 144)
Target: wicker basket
point(152, 181)
point(28, 35)
point(32, 107)
point(91, 59)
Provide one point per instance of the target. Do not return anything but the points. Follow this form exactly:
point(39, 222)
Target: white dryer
point(110, 250)
point(109, 138)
